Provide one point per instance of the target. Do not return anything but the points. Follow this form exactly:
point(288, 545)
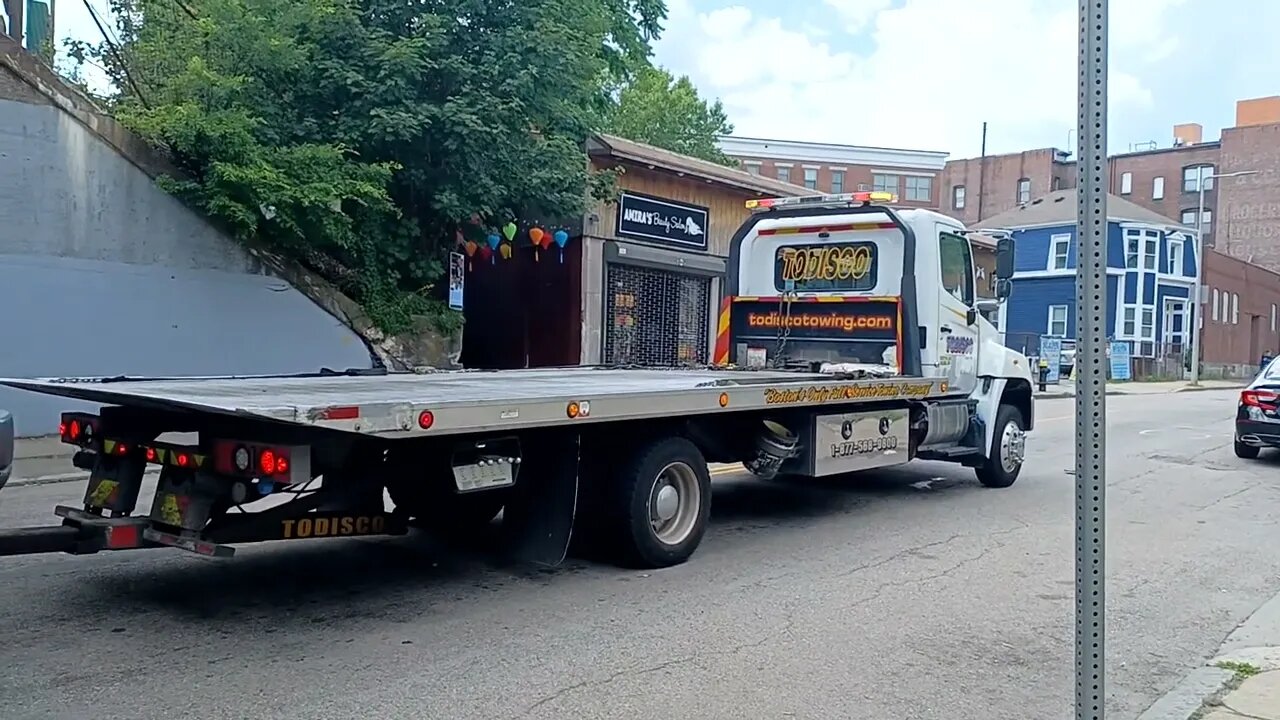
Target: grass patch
point(1242, 670)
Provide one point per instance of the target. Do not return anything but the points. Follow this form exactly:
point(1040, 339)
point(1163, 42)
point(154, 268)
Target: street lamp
point(1196, 315)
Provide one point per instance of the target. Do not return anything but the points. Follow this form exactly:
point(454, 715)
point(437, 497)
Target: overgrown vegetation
point(360, 137)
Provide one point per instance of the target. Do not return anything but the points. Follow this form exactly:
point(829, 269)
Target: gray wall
point(102, 273)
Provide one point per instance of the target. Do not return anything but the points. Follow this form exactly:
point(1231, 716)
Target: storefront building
point(654, 260)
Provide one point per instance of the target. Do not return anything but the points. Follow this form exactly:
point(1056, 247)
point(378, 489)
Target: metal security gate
point(654, 317)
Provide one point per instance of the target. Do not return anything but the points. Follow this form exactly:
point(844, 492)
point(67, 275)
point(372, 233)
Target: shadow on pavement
point(344, 579)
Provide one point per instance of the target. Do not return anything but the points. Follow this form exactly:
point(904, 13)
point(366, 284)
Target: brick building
point(1240, 315)
point(912, 175)
point(1242, 214)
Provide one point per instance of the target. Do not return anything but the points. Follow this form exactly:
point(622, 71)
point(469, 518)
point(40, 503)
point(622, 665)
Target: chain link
point(784, 327)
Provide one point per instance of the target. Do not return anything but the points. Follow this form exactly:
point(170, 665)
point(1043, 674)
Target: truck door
point(956, 333)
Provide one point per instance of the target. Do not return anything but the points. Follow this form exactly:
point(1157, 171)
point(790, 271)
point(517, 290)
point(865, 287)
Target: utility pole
point(1091, 364)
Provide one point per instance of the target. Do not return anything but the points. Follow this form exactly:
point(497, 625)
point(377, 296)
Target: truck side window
point(956, 262)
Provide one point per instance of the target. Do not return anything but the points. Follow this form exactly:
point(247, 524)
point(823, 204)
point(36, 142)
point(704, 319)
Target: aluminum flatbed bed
point(469, 401)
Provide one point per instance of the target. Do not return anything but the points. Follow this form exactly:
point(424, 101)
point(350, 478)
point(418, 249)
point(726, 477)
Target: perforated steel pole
point(1091, 364)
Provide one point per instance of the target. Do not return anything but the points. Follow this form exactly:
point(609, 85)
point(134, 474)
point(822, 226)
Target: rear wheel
point(1246, 451)
point(657, 505)
point(1008, 444)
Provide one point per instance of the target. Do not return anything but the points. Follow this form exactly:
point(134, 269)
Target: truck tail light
point(79, 429)
point(254, 460)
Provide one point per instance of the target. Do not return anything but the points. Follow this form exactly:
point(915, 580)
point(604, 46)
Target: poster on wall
point(457, 278)
point(641, 217)
point(1121, 360)
point(1051, 352)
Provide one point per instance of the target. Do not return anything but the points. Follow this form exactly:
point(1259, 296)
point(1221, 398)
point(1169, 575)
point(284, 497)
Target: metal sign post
point(1091, 364)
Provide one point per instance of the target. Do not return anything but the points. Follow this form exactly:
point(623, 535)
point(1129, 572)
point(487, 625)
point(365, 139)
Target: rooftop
point(1059, 208)
point(832, 153)
point(657, 158)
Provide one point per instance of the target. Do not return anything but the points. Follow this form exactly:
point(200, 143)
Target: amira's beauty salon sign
point(651, 219)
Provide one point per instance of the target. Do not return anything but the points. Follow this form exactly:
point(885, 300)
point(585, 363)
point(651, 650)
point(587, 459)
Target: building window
point(1215, 304)
point(1059, 251)
point(1175, 256)
point(837, 181)
point(1157, 189)
point(1024, 190)
point(1148, 324)
point(1131, 249)
point(1126, 183)
point(957, 197)
point(1056, 184)
point(1273, 317)
point(884, 183)
point(753, 168)
point(1057, 321)
point(1191, 177)
point(1130, 325)
point(784, 174)
point(919, 189)
point(811, 178)
point(1150, 250)
point(1189, 219)
point(1235, 308)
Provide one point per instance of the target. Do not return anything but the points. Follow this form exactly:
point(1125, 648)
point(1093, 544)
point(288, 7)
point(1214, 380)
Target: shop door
point(655, 318)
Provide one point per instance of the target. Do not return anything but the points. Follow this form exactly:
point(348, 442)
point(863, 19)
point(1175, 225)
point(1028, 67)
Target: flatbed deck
point(477, 401)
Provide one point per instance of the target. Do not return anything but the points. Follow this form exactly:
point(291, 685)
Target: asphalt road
point(912, 594)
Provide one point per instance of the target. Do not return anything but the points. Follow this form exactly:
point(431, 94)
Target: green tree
point(655, 107)
point(360, 136)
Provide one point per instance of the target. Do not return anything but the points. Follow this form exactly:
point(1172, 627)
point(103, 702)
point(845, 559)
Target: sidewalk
point(1067, 388)
point(1241, 683)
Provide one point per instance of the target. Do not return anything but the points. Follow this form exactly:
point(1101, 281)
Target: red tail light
point(79, 429)
point(1260, 398)
point(231, 457)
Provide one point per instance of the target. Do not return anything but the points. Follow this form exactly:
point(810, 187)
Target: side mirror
point(1004, 288)
point(1004, 258)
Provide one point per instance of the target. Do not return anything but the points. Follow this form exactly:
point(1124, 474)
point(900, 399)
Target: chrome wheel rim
point(674, 503)
point(1012, 446)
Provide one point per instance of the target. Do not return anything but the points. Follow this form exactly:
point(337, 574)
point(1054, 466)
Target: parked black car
point(6, 446)
point(1258, 413)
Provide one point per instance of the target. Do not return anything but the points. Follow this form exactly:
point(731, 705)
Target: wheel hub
point(1013, 443)
point(667, 503)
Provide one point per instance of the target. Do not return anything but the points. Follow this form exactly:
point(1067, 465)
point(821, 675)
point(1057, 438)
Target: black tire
point(992, 471)
point(627, 504)
point(1246, 451)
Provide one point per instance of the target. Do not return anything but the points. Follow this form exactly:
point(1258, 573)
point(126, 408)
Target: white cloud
point(924, 74)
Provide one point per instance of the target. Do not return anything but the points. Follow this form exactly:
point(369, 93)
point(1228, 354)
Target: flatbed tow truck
point(850, 338)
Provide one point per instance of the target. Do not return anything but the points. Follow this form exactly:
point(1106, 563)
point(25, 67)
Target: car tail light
point(1260, 398)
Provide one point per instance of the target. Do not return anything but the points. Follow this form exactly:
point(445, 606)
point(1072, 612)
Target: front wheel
point(659, 504)
point(1246, 451)
point(1008, 444)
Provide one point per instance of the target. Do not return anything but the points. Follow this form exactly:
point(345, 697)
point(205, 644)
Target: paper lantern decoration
point(486, 253)
point(536, 235)
point(470, 248)
point(505, 251)
point(562, 238)
point(509, 231)
point(493, 241)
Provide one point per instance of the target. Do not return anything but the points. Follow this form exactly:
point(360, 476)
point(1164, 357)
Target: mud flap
point(538, 518)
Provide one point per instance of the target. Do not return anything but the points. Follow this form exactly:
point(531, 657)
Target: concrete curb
point(1256, 641)
point(60, 478)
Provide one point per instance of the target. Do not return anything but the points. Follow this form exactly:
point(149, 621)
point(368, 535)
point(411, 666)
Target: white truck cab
point(847, 283)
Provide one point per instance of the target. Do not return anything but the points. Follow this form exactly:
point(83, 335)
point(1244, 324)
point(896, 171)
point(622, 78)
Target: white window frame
point(837, 182)
point(1055, 242)
point(808, 172)
point(1128, 322)
point(1066, 316)
point(1147, 332)
point(1189, 186)
point(1157, 188)
point(782, 172)
point(957, 197)
point(889, 180)
point(1132, 255)
point(1024, 190)
point(1177, 246)
point(753, 167)
point(920, 182)
point(1235, 308)
point(1150, 250)
point(1215, 304)
point(1126, 183)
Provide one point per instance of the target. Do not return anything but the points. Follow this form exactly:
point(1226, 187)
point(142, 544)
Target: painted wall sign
point(658, 220)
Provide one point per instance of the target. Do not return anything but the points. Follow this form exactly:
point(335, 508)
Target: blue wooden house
point(1151, 262)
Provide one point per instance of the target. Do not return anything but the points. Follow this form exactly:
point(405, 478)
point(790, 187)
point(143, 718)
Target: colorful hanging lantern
point(493, 241)
point(486, 253)
point(509, 231)
point(470, 248)
point(536, 235)
point(505, 251)
point(562, 238)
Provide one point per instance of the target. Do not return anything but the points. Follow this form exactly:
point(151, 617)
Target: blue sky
point(926, 73)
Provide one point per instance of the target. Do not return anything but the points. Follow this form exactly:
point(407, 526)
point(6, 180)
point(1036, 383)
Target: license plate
point(485, 474)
